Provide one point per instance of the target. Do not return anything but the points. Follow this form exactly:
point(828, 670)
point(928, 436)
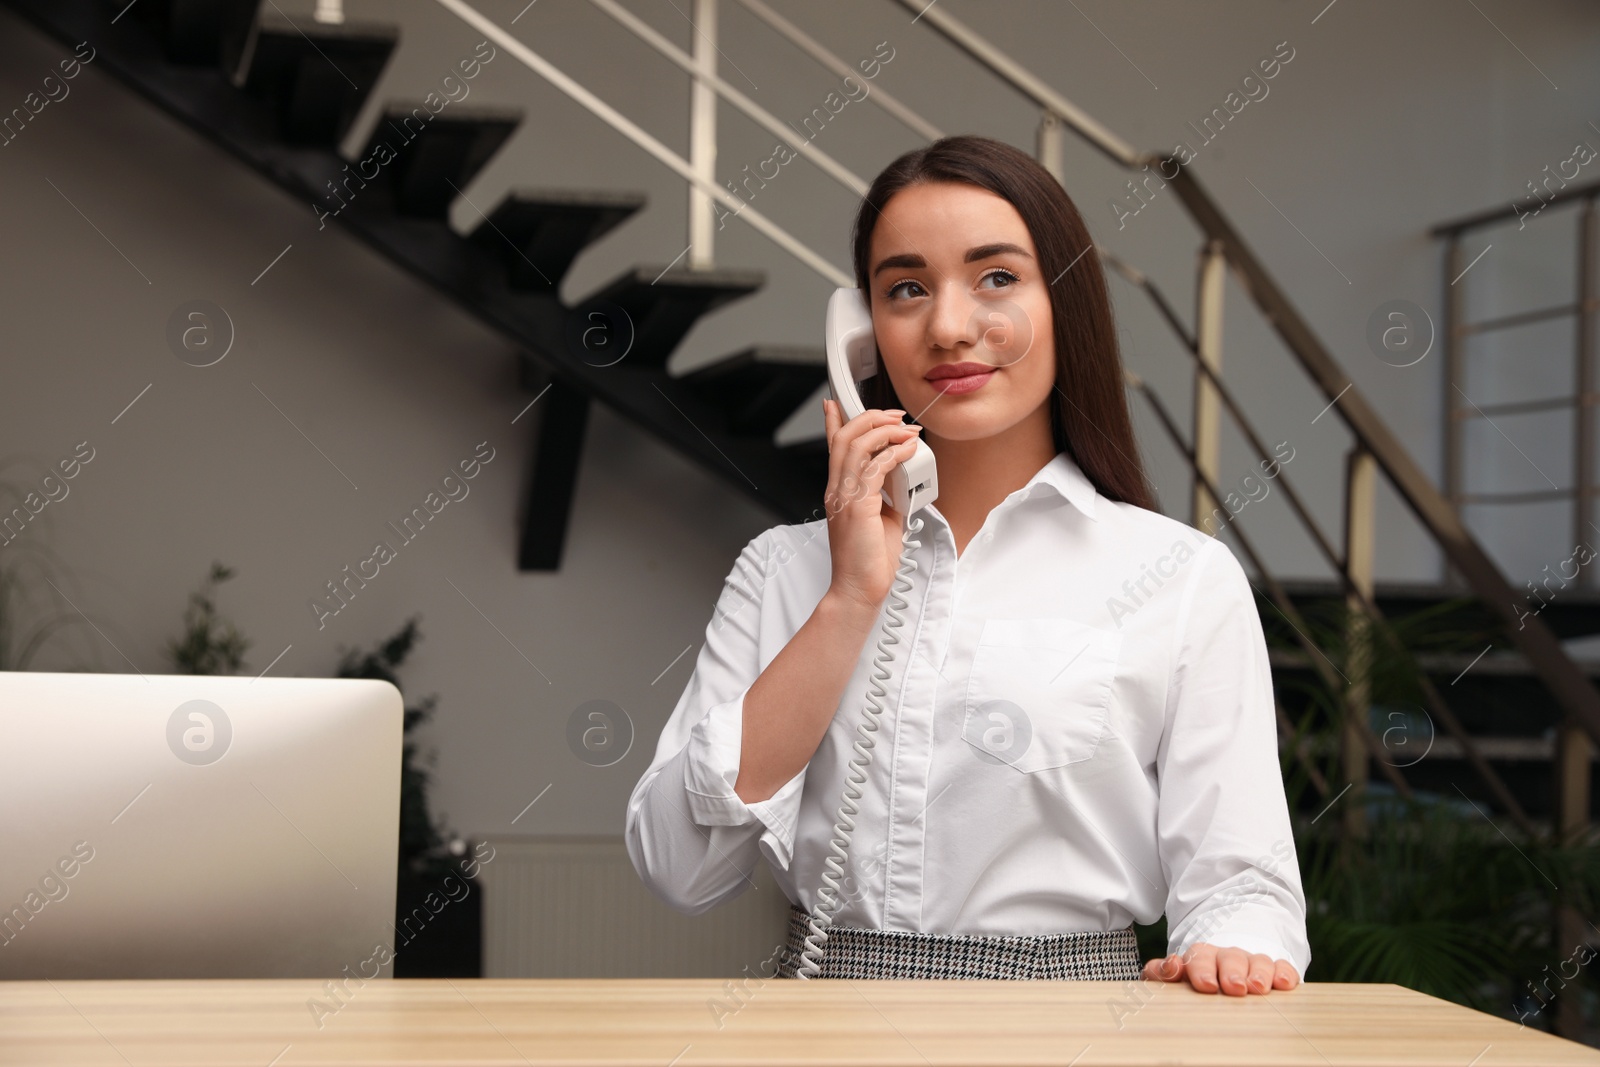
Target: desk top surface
point(683, 1022)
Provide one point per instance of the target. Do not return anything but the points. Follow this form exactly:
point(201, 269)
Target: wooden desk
point(671, 1022)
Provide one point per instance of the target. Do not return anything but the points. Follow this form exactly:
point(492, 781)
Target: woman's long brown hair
point(1088, 408)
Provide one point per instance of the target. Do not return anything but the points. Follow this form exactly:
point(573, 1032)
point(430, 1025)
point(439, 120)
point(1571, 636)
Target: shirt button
point(988, 537)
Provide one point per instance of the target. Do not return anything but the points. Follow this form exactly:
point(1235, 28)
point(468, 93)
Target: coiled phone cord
point(828, 896)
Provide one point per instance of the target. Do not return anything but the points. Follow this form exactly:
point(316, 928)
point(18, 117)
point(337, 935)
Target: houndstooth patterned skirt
point(856, 952)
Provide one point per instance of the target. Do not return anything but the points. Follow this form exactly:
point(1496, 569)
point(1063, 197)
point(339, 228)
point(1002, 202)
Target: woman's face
point(955, 287)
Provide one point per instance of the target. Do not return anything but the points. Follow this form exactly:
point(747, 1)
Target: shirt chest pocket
point(1039, 693)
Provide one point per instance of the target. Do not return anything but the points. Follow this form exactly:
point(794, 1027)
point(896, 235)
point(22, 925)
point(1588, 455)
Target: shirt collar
point(1065, 477)
point(1061, 475)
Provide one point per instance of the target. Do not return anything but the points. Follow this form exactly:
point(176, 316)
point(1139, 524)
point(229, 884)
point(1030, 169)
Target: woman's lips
point(966, 383)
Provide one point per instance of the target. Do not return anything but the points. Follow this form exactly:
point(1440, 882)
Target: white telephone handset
point(909, 487)
point(853, 356)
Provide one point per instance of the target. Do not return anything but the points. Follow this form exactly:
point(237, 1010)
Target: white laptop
point(195, 826)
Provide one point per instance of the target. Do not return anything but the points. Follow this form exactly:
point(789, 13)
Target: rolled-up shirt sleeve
point(692, 840)
point(1223, 829)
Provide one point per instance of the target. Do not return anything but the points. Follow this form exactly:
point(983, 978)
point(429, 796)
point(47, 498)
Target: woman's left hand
point(1232, 970)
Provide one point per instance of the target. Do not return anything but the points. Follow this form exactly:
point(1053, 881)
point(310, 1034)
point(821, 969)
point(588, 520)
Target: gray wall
point(1387, 120)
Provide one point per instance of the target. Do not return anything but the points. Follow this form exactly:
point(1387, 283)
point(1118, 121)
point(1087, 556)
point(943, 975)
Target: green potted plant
point(1430, 893)
point(447, 942)
point(438, 941)
point(34, 612)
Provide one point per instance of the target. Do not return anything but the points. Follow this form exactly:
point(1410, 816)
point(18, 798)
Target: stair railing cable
point(811, 47)
point(697, 171)
point(1324, 667)
point(1585, 303)
point(760, 115)
point(1436, 703)
point(1565, 680)
point(1030, 86)
point(631, 130)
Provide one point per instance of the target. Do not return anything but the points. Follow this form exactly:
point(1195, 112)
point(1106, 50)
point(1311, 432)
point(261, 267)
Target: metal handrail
point(819, 52)
point(1567, 683)
point(1531, 496)
point(1340, 566)
point(1140, 280)
point(619, 122)
point(1584, 492)
point(1008, 71)
point(1275, 591)
point(635, 25)
point(1455, 227)
point(1522, 318)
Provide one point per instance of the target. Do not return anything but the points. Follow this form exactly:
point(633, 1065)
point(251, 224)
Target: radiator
point(573, 907)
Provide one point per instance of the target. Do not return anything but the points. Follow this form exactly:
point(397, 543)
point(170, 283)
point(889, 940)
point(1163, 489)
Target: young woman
point(1078, 729)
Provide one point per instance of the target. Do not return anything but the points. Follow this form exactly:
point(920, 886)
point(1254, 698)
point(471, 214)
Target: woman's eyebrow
point(912, 259)
point(998, 248)
point(904, 259)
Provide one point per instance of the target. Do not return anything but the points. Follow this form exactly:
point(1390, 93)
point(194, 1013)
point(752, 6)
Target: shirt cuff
point(1252, 929)
point(711, 768)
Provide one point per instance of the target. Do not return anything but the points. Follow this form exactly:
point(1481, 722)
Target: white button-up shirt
point(1078, 734)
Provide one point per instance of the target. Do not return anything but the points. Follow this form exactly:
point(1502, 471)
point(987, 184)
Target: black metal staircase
point(281, 93)
point(1494, 690)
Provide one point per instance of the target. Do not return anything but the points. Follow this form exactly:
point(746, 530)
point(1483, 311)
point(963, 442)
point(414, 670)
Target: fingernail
point(893, 411)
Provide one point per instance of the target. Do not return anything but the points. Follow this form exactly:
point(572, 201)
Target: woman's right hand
point(864, 533)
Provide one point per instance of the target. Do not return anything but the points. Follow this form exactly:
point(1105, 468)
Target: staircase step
point(1442, 747)
point(319, 74)
point(662, 306)
point(437, 155)
point(787, 480)
point(761, 386)
point(1500, 663)
point(539, 232)
point(1572, 612)
point(191, 31)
